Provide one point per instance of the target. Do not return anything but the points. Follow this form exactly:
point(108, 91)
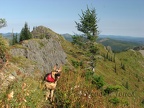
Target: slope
point(123, 74)
point(117, 81)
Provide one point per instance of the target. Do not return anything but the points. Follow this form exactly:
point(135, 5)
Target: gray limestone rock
point(44, 52)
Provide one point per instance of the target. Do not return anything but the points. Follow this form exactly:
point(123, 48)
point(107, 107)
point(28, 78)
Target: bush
point(76, 64)
point(93, 49)
point(88, 75)
point(111, 89)
point(114, 100)
point(4, 46)
point(63, 99)
point(142, 102)
point(98, 81)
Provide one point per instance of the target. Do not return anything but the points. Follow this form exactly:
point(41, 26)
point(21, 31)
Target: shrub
point(127, 85)
point(142, 102)
point(4, 46)
point(93, 49)
point(111, 89)
point(76, 64)
point(63, 99)
point(88, 75)
point(98, 81)
point(114, 101)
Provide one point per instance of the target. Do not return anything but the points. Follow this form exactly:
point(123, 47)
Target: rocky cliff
point(44, 52)
point(36, 56)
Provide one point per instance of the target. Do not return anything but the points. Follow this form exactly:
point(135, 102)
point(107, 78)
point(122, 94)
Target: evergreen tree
point(2, 22)
point(25, 33)
point(114, 58)
point(15, 39)
point(78, 40)
point(88, 24)
point(115, 68)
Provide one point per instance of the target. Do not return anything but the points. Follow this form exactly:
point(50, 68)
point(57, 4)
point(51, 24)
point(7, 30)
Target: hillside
point(123, 77)
point(117, 43)
point(117, 81)
point(27, 63)
point(136, 39)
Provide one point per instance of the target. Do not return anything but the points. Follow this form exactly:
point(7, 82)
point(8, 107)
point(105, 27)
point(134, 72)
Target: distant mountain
point(117, 43)
point(8, 35)
point(67, 36)
point(120, 43)
point(139, 40)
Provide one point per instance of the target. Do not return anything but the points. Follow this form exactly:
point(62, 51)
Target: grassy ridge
point(110, 86)
point(130, 79)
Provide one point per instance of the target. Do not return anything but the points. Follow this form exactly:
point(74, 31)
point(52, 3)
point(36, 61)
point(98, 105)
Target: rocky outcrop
point(109, 48)
point(139, 48)
point(44, 50)
point(142, 52)
point(34, 57)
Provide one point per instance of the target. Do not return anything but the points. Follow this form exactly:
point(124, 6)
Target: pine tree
point(115, 68)
point(15, 39)
point(114, 58)
point(2, 22)
point(88, 24)
point(25, 33)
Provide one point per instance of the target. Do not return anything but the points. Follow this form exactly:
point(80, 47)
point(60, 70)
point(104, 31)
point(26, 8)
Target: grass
point(129, 79)
point(27, 93)
point(75, 88)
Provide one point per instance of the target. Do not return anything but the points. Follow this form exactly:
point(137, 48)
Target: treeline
point(25, 34)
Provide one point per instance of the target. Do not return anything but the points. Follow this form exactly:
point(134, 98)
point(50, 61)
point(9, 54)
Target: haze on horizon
point(116, 17)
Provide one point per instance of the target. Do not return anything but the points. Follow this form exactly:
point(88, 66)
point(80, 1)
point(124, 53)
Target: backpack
point(48, 77)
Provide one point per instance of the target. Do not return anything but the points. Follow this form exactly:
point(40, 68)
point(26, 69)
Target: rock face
point(44, 52)
point(109, 48)
point(139, 48)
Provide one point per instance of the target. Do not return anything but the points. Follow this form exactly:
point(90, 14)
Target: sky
point(116, 17)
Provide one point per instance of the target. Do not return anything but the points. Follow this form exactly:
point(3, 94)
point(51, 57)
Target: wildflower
point(10, 95)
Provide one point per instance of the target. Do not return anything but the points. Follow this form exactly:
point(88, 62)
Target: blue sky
point(116, 17)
